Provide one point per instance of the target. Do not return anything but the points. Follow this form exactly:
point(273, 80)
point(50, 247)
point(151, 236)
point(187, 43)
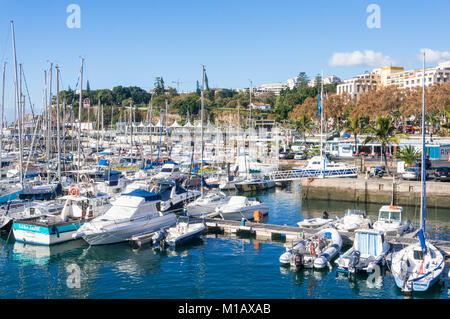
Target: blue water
point(212, 267)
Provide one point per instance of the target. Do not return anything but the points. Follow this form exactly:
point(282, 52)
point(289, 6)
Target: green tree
point(382, 131)
point(408, 154)
point(303, 125)
point(355, 127)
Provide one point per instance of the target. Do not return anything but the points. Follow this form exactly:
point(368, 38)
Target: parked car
point(286, 155)
point(442, 174)
point(300, 156)
point(413, 173)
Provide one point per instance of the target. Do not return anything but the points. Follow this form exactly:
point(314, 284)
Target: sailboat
point(418, 266)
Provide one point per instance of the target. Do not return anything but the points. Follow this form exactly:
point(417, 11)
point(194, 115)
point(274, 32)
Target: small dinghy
point(314, 252)
point(369, 249)
point(183, 231)
point(315, 222)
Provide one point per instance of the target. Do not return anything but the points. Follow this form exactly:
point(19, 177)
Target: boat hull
point(124, 233)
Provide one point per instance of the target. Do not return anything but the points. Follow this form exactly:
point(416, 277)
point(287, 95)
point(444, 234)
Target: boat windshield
point(395, 216)
point(384, 216)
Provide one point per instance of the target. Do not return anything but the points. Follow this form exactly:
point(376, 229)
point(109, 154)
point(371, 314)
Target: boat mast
point(423, 168)
point(1, 119)
point(49, 118)
point(79, 119)
point(149, 122)
point(17, 100)
point(58, 142)
point(321, 128)
point(201, 119)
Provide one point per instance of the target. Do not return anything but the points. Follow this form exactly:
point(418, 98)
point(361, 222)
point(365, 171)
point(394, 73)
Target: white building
point(328, 80)
point(271, 88)
point(358, 84)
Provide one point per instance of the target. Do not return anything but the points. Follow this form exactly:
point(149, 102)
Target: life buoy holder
point(74, 191)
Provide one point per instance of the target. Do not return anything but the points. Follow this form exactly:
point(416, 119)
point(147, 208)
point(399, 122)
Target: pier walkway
point(291, 233)
point(297, 174)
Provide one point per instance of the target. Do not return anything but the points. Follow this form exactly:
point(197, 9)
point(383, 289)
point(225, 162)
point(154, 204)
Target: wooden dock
point(291, 233)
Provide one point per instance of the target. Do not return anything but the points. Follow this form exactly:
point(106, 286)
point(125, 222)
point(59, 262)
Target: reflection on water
point(214, 266)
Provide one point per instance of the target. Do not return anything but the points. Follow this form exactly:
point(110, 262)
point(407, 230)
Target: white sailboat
point(419, 266)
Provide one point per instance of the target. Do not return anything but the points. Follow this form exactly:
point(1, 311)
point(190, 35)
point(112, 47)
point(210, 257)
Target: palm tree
point(383, 131)
point(303, 125)
point(408, 154)
point(354, 126)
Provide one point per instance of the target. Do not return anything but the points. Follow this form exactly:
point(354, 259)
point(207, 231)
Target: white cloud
point(358, 58)
point(433, 56)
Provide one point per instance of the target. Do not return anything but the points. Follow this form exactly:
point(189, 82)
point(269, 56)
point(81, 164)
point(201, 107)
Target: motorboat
point(26, 210)
point(173, 195)
point(239, 207)
point(417, 267)
point(315, 222)
point(390, 220)
point(352, 220)
point(314, 252)
point(369, 249)
point(50, 229)
point(206, 204)
point(322, 166)
point(131, 214)
point(254, 184)
point(230, 181)
point(169, 171)
point(183, 231)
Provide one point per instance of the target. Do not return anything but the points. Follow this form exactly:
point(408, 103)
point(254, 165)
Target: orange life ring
point(74, 191)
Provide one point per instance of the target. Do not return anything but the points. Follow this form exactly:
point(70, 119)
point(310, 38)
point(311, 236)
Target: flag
point(320, 106)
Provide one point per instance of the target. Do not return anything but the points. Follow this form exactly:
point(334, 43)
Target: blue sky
point(132, 42)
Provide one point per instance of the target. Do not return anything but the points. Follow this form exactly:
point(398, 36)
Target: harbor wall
point(377, 191)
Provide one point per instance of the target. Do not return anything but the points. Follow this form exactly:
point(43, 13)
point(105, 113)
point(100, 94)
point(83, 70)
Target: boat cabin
point(390, 214)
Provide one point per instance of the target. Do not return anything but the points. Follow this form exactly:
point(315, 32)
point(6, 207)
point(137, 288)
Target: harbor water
point(214, 266)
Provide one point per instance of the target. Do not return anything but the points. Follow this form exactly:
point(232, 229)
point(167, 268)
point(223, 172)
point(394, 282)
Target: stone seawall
point(378, 191)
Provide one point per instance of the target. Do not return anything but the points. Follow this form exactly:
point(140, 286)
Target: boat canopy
point(148, 196)
point(369, 242)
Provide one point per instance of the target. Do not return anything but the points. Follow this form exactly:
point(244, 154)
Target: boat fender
point(312, 250)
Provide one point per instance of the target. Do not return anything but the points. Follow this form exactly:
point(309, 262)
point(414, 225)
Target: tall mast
point(58, 142)
point(201, 119)
point(423, 169)
point(79, 119)
point(49, 121)
point(321, 128)
point(151, 128)
point(17, 100)
point(1, 120)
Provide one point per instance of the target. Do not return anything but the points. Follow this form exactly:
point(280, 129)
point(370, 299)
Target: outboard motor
point(354, 259)
point(158, 238)
point(297, 261)
point(325, 215)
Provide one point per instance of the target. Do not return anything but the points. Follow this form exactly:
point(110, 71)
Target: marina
point(316, 188)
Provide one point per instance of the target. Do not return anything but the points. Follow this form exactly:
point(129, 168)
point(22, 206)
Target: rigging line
point(8, 34)
point(28, 93)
